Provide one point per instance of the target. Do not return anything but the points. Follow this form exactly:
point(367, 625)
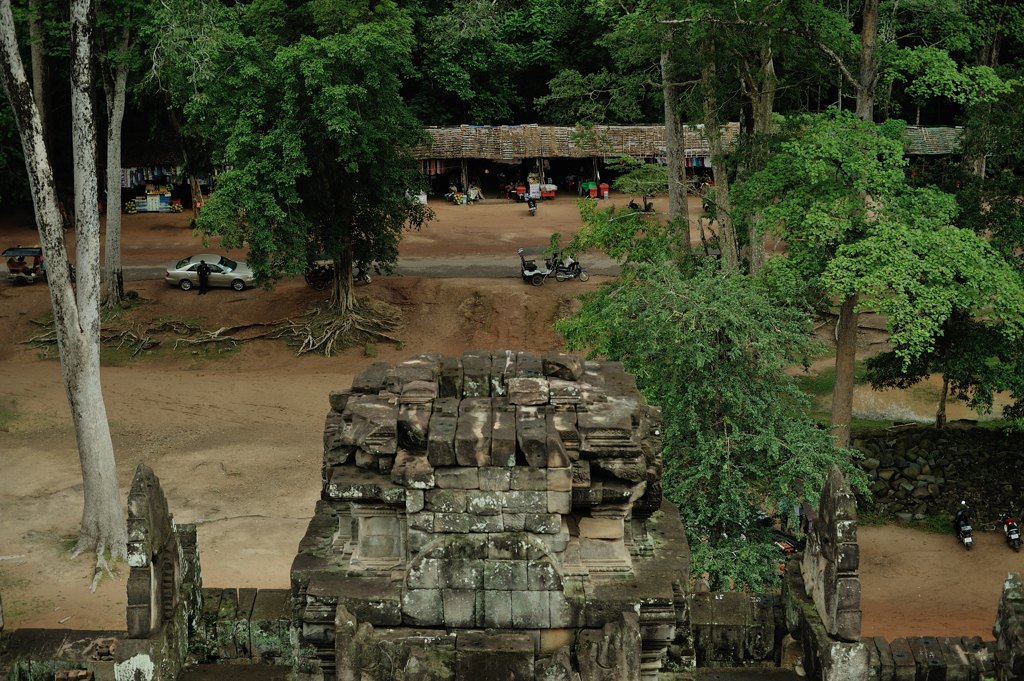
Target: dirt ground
point(236, 437)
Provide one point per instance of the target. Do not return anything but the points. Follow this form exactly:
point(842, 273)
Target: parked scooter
point(532, 203)
point(962, 526)
point(1011, 531)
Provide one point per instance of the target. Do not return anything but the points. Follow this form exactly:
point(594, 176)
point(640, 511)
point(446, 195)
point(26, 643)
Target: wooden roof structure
point(512, 143)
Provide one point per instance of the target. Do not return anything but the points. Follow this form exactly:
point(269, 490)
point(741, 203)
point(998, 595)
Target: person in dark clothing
point(204, 277)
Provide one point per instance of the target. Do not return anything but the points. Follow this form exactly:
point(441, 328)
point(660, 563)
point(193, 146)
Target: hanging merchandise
point(707, 161)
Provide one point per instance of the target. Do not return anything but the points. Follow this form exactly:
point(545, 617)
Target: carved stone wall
point(164, 586)
point(832, 559)
point(501, 492)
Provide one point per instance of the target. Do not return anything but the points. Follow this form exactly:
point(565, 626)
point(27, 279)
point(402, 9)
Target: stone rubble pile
point(920, 471)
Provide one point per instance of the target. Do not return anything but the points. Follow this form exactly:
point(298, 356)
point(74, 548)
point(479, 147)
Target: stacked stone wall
point(498, 492)
point(916, 471)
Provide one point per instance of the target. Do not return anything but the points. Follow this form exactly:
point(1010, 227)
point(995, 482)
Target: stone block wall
point(498, 492)
point(918, 471)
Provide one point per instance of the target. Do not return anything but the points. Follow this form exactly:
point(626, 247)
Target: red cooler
point(604, 191)
point(593, 192)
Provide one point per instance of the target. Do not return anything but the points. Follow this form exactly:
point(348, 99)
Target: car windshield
point(182, 263)
point(228, 264)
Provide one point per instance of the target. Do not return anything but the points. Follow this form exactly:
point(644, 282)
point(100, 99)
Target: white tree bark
point(76, 314)
point(115, 82)
point(40, 86)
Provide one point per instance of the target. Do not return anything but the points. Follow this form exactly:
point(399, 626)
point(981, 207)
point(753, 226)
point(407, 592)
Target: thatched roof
point(932, 141)
point(510, 142)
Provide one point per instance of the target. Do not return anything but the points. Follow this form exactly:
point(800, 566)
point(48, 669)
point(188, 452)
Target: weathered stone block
point(507, 546)
point(486, 523)
point(424, 521)
point(453, 522)
point(503, 438)
point(423, 608)
point(543, 523)
point(531, 438)
point(441, 440)
point(423, 574)
point(450, 382)
point(581, 473)
point(473, 436)
point(498, 656)
point(497, 609)
point(526, 501)
point(557, 457)
point(445, 500)
point(414, 501)
point(505, 575)
point(413, 423)
point(495, 479)
point(459, 608)
point(543, 577)
point(632, 469)
point(513, 522)
point(528, 391)
point(612, 653)
point(559, 502)
point(460, 574)
point(456, 477)
point(528, 478)
point(559, 479)
point(479, 502)
point(601, 528)
point(531, 609)
point(562, 365)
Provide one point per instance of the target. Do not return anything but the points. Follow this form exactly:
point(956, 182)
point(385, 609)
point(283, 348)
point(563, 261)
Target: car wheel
point(320, 285)
point(537, 280)
point(185, 285)
point(238, 285)
point(584, 276)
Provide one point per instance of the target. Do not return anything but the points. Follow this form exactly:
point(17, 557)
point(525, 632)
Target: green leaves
point(318, 142)
point(711, 348)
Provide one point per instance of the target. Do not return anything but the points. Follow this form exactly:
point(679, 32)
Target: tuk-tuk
point(24, 265)
point(529, 269)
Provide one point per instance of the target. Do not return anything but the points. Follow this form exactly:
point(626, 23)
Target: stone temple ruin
point(497, 517)
point(492, 515)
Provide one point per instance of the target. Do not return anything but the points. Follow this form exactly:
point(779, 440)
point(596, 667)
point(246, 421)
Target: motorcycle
point(321, 275)
point(1011, 531)
point(532, 203)
point(569, 269)
point(962, 526)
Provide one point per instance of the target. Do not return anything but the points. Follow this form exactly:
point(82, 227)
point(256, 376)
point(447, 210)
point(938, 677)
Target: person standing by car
point(204, 277)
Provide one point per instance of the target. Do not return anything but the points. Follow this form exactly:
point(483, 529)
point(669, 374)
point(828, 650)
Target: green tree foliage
point(837, 194)
point(318, 142)
point(711, 348)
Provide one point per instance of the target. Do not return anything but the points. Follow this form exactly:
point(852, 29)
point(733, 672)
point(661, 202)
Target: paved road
point(486, 266)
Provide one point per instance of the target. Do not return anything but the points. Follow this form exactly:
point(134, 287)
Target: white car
point(223, 272)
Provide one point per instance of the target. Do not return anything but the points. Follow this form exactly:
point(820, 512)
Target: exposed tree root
point(320, 330)
point(101, 567)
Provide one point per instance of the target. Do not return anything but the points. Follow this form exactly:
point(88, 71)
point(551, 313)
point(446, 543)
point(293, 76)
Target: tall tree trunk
point(115, 81)
point(40, 72)
point(761, 91)
point(868, 77)
point(76, 314)
point(940, 413)
point(846, 357)
point(713, 132)
point(343, 297)
point(675, 150)
point(846, 340)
